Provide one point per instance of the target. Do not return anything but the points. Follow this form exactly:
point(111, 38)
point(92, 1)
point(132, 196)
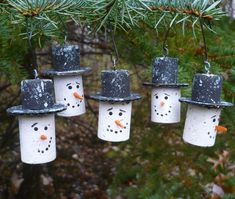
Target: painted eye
point(110, 113)
point(35, 129)
point(70, 87)
point(156, 97)
point(166, 98)
point(77, 86)
point(214, 120)
point(45, 128)
point(120, 114)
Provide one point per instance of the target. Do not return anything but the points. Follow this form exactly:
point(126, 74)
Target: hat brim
point(19, 110)
point(177, 85)
point(216, 105)
point(53, 72)
point(99, 97)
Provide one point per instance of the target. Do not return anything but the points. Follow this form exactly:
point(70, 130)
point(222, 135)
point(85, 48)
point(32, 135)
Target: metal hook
point(207, 66)
point(89, 29)
point(35, 74)
point(114, 61)
point(165, 51)
point(114, 64)
point(65, 37)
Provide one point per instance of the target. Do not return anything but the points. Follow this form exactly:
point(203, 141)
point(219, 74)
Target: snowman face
point(165, 105)
point(69, 91)
point(200, 125)
point(37, 138)
point(114, 121)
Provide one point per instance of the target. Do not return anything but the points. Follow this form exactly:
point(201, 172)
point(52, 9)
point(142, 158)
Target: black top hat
point(115, 87)
point(165, 73)
point(37, 96)
point(66, 61)
point(206, 91)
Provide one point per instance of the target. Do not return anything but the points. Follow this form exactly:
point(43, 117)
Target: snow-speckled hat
point(66, 61)
point(115, 87)
point(37, 97)
point(206, 91)
point(165, 73)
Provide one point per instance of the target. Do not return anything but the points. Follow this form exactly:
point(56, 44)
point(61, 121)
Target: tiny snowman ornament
point(36, 118)
point(115, 106)
point(202, 119)
point(67, 75)
point(165, 105)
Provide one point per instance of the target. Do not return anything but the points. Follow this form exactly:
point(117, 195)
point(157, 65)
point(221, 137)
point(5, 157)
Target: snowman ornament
point(67, 75)
point(203, 114)
point(36, 118)
point(165, 105)
point(115, 106)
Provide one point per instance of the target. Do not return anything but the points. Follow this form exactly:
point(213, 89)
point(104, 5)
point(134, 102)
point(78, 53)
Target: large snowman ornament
point(67, 75)
point(202, 119)
point(165, 105)
point(37, 121)
point(115, 106)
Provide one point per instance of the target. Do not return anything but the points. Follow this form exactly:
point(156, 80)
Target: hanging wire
point(206, 62)
point(165, 50)
point(114, 59)
point(32, 52)
point(65, 32)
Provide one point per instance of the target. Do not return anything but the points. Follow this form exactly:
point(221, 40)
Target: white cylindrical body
point(114, 121)
point(37, 138)
point(165, 105)
point(200, 125)
point(65, 87)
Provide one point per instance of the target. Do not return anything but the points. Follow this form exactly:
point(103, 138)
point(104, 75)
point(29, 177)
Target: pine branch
point(124, 14)
point(127, 14)
point(37, 8)
point(197, 8)
point(45, 16)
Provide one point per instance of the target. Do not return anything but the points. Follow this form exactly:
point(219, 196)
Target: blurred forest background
point(154, 163)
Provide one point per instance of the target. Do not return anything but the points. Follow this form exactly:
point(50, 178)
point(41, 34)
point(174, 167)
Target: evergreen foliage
point(155, 163)
point(43, 20)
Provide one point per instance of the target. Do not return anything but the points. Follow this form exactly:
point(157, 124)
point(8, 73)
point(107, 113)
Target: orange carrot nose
point(75, 94)
point(43, 137)
point(221, 129)
point(162, 103)
point(118, 122)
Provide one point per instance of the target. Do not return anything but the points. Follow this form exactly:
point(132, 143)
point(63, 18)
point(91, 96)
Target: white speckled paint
point(65, 86)
point(170, 111)
point(33, 149)
point(108, 130)
point(200, 125)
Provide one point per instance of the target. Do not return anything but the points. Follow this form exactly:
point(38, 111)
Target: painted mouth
point(162, 114)
point(211, 137)
point(73, 106)
point(47, 148)
point(109, 129)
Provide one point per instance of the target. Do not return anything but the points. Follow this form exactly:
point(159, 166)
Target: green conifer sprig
point(44, 17)
point(125, 14)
